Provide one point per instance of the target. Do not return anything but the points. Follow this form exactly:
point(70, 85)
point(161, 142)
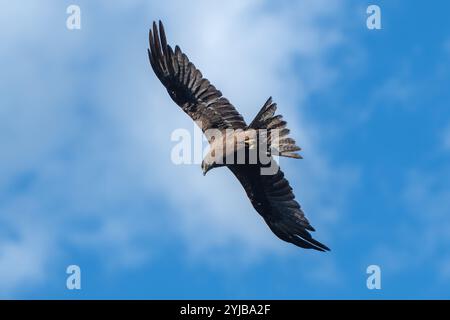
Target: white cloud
point(25, 248)
point(93, 159)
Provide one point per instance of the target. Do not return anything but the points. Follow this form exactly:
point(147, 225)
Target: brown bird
point(270, 194)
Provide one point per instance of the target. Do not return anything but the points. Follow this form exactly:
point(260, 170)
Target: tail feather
point(277, 133)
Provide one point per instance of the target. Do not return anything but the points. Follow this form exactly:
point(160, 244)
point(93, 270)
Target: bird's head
point(209, 162)
point(212, 160)
point(206, 166)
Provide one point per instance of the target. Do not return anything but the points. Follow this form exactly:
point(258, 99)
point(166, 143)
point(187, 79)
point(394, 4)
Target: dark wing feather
point(272, 197)
point(187, 87)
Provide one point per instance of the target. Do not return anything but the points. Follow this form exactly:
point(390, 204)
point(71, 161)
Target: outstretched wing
point(272, 197)
point(187, 87)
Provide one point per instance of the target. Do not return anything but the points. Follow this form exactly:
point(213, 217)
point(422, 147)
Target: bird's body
point(231, 138)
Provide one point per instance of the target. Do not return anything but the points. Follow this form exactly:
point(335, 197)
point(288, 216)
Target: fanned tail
point(278, 141)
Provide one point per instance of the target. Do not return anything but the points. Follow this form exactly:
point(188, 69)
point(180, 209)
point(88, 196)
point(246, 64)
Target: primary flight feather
point(270, 194)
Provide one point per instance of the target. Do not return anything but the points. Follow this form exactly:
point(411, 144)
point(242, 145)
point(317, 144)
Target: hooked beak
point(204, 168)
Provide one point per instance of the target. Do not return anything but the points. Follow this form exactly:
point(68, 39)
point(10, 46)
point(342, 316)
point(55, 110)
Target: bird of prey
point(270, 194)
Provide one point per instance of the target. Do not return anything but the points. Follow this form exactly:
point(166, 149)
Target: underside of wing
point(187, 87)
point(272, 197)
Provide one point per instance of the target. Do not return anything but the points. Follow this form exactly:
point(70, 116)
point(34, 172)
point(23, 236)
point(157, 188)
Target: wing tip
point(161, 25)
point(316, 245)
point(323, 248)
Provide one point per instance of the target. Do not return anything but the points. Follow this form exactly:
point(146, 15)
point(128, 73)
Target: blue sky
point(86, 176)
